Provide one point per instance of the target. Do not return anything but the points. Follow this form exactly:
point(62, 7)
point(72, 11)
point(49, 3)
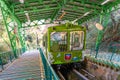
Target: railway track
point(76, 75)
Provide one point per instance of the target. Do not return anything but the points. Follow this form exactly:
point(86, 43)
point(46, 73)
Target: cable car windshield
point(58, 41)
point(76, 40)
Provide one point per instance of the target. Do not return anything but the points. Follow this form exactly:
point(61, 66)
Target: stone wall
point(102, 72)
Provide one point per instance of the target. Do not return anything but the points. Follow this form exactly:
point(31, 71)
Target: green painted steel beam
point(47, 14)
point(103, 12)
point(73, 10)
point(70, 16)
point(53, 17)
point(55, 14)
point(35, 25)
point(89, 2)
point(35, 17)
point(37, 10)
point(75, 14)
point(82, 7)
point(85, 4)
point(42, 23)
point(5, 7)
point(34, 8)
point(35, 5)
point(44, 12)
point(39, 18)
point(35, 1)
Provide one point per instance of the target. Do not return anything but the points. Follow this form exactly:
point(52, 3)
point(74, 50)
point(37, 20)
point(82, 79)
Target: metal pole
point(101, 32)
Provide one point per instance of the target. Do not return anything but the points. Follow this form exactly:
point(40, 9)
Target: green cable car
point(64, 43)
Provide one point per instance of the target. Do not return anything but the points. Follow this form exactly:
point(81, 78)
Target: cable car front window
point(58, 41)
point(76, 40)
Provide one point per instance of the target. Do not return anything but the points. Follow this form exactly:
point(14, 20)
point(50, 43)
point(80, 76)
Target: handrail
point(8, 57)
point(49, 72)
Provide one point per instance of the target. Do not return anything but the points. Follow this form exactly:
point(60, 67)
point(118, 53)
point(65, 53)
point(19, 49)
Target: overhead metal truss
point(53, 9)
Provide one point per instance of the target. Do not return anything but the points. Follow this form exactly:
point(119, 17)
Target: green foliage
point(4, 61)
point(5, 57)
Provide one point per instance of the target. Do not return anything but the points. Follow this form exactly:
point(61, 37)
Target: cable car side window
point(76, 40)
point(58, 41)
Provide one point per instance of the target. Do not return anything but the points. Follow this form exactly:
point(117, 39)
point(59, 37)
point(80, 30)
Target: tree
point(112, 33)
